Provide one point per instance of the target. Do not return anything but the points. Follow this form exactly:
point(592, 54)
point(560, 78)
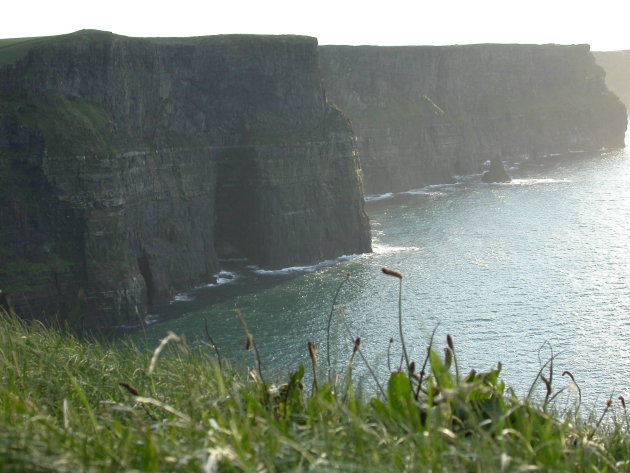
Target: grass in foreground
point(70, 406)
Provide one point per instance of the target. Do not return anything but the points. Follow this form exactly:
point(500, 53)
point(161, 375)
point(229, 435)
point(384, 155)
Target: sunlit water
point(504, 268)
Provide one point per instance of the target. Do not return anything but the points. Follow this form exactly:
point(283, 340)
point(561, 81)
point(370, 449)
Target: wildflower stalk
point(330, 316)
point(399, 276)
point(213, 345)
point(601, 418)
point(357, 348)
point(250, 345)
point(313, 355)
point(424, 364)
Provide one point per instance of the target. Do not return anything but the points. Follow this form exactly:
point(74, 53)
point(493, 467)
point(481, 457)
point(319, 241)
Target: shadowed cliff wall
point(617, 67)
point(127, 164)
point(425, 114)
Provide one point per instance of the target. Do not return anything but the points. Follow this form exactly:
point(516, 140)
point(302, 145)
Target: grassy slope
point(62, 409)
point(13, 49)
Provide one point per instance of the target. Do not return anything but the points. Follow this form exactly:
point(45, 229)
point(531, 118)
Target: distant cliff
point(129, 166)
point(425, 114)
point(617, 67)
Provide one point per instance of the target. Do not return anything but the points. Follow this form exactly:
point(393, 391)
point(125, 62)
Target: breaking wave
point(304, 269)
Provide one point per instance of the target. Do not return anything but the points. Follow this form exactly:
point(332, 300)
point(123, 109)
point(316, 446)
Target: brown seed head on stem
point(312, 352)
point(130, 388)
point(449, 342)
point(391, 272)
point(448, 357)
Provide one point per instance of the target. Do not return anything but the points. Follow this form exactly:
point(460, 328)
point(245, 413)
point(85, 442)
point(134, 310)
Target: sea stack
point(496, 173)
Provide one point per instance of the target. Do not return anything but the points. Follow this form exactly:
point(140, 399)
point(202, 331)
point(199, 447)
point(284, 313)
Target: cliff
point(617, 67)
point(129, 166)
point(425, 114)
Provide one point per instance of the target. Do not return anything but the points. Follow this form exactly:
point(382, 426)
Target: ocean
point(516, 273)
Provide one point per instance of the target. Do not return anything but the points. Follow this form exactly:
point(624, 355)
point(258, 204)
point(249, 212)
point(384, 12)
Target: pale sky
point(604, 24)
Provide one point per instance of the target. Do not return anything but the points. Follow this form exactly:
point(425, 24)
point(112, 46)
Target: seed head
point(391, 272)
point(448, 357)
point(130, 388)
point(312, 352)
point(449, 342)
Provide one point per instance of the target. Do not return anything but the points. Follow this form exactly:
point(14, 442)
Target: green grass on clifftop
point(70, 405)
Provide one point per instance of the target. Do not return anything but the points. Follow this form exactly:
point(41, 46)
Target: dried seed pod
point(449, 342)
point(312, 352)
point(448, 357)
point(391, 272)
point(130, 388)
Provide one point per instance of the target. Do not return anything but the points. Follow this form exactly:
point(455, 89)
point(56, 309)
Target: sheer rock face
point(425, 114)
point(129, 166)
point(617, 67)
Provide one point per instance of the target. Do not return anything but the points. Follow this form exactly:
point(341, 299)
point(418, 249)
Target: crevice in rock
point(145, 272)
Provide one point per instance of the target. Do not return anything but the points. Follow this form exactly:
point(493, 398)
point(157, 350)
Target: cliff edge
point(617, 67)
point(129, 166)
point(425, 114)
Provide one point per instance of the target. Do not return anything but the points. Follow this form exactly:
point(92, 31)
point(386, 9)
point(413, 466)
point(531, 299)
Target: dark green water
point(504, 268)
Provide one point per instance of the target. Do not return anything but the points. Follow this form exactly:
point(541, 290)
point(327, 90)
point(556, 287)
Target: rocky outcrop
point(425, 114)
point(496, 173)
point(129, 166)
point(617, 67)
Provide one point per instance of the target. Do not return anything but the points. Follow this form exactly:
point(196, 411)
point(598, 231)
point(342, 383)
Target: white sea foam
point(151, 319)
point(386, 249)
point(531, 182)
point(182, 297)
point(433, 189)
point(304, 269)
point(223, 277)
point(375, 197)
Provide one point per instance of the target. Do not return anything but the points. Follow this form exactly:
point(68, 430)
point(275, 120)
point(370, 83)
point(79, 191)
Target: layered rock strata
point(129, 166)
point(425, 114)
